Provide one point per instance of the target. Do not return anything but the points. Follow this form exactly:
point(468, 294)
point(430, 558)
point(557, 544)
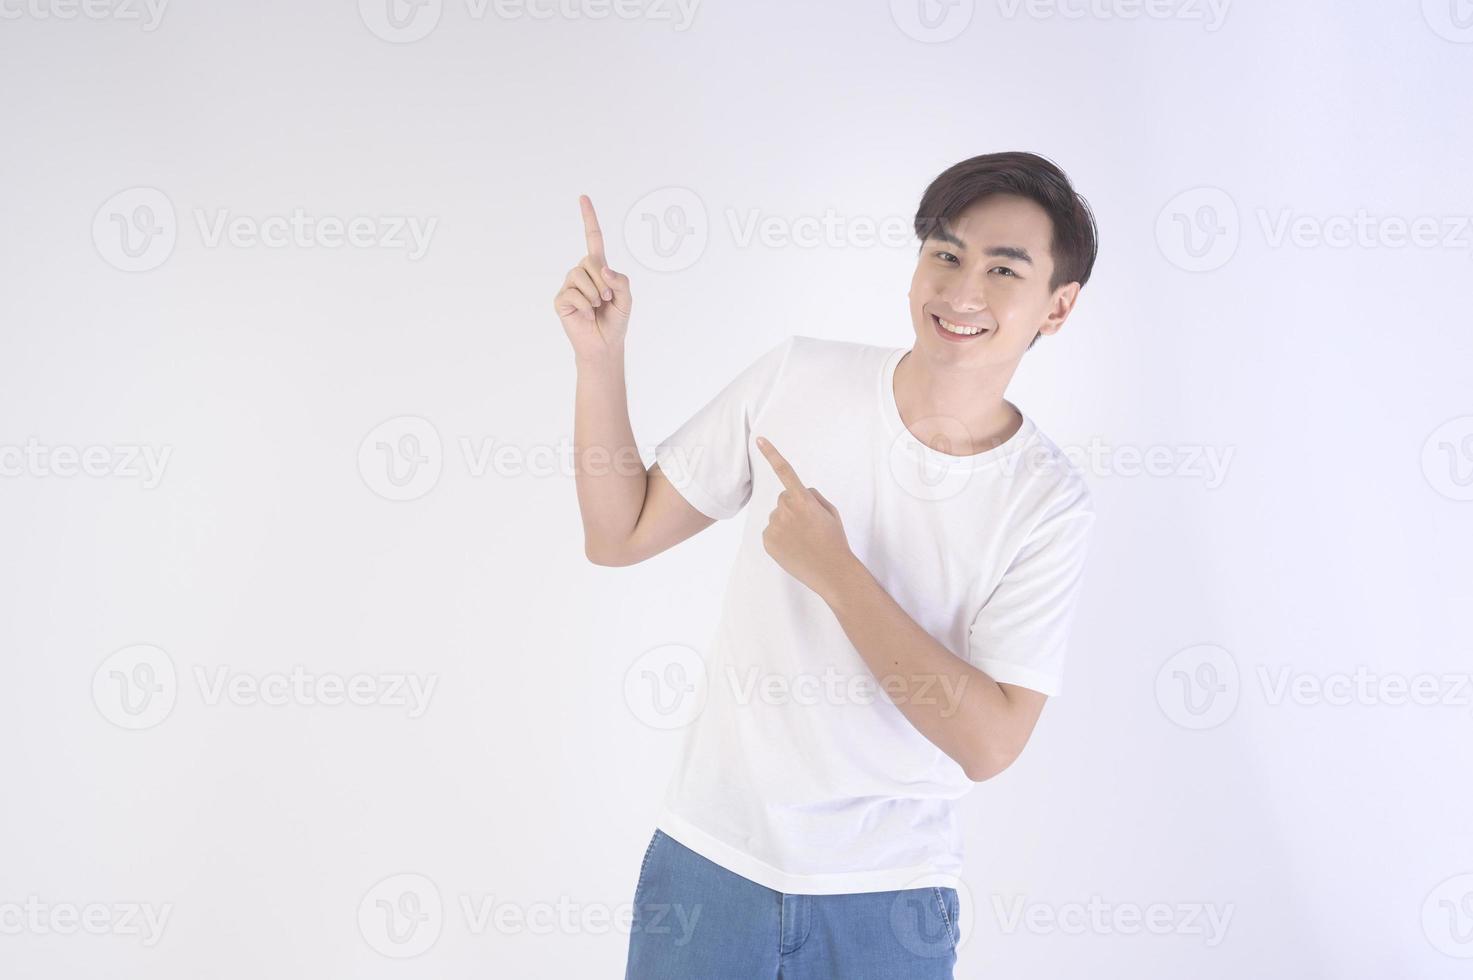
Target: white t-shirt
point(799, 773)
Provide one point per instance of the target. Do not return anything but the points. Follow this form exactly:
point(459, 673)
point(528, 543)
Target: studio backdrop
point(305, 671)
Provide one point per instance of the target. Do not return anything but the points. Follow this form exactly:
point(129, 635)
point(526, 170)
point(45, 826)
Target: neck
point(934, 396)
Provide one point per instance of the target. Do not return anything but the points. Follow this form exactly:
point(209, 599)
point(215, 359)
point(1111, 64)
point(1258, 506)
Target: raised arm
point(629, 513)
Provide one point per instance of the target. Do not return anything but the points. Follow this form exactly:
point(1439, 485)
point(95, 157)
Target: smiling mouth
point(958, 329)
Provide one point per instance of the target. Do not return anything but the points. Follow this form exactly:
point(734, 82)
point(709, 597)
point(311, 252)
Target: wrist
point(608, 359)
point(848, 584)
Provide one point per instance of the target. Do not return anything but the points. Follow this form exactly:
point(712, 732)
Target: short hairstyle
point(1075, 237)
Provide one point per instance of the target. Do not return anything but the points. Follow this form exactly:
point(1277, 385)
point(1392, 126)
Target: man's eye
point(1004, 268)
point(940, 254)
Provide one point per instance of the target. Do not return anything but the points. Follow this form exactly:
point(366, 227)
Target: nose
point(964, 295)
point(964, 300)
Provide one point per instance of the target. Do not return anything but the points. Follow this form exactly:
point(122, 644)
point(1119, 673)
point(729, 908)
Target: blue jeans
point(695, 920)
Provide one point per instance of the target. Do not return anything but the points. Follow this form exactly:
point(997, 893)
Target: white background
point(1336, 540)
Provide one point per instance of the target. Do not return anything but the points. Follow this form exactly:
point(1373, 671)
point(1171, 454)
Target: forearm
point(958, 708)
point(610, 476)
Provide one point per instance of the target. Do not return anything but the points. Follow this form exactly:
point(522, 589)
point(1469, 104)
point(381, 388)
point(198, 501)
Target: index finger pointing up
point(591, 231)
point(780, 466)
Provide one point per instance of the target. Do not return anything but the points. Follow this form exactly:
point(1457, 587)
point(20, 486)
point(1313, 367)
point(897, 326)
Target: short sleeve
point(1020, 634)
point(707, 458)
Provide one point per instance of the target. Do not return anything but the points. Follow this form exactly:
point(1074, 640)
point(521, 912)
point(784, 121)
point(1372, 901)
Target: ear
point(1063, 304)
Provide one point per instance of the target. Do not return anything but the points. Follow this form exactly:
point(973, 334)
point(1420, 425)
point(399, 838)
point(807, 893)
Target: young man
point(900, 603)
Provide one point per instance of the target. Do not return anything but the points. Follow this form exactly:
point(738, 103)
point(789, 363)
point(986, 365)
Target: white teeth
point(950, 327)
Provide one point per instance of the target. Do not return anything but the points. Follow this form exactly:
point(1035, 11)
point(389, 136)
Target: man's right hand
point(595, 301)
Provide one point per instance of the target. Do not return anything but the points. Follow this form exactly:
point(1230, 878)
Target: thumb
point(619, 285)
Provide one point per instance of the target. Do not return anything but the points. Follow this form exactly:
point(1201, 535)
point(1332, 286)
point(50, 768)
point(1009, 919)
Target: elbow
point(986, 766)
point(605, 557)
point(981, 775)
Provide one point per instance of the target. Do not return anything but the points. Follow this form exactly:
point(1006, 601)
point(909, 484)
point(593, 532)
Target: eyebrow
point(1003, 251)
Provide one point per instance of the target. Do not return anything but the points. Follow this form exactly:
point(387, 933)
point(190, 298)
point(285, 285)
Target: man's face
point(991, 270)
